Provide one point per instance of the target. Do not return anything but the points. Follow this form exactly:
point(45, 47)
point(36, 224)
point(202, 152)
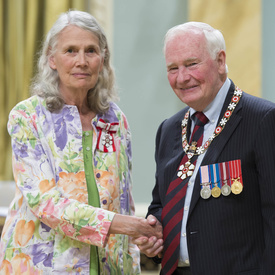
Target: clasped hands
point(145, 233)
point(151, 243)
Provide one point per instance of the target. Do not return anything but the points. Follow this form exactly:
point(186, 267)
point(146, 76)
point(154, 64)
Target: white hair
point(214, 38)
point(46, 82)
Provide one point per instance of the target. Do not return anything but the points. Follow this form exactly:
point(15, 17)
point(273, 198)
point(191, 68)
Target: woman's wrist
point(123, 224)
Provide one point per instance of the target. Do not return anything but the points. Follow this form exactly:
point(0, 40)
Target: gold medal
point(216, 192)
point(236, 187)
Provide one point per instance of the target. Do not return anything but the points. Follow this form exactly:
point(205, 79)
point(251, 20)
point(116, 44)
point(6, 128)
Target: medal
point(226, 190)
point(236, 176)
point(224, 172)
point(215, 179)
point(186, 170)
point(236, 187)
point(216, 192)
point(106, 131)
point(205, 192)
point(205, 185)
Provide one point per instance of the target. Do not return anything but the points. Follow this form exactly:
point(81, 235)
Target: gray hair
point(46, 81)
point(214, 38)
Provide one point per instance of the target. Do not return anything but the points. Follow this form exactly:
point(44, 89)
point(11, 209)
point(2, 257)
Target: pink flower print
point(68, 229)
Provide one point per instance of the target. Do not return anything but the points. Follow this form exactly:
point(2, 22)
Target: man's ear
point(221, 59)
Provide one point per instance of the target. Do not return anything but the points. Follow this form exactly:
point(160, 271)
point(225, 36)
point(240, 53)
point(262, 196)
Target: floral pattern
point(50, 226)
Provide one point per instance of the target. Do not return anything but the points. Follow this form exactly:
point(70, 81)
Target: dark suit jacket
point(234, 234)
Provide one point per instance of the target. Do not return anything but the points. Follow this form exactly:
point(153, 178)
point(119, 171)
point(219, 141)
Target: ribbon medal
point(205, 183)
point(236, 176)
point(215, 179)
point(221, 178)
point(224, 174)
point(105, 141)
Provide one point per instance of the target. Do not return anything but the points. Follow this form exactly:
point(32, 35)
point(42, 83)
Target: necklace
point(187, 169)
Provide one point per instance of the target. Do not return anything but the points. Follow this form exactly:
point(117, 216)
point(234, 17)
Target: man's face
point(193, 75)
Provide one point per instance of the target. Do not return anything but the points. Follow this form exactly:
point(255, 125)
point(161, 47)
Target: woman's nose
point(81, 59)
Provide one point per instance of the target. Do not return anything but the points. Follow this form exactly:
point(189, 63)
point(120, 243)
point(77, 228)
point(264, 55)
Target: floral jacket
point(50, 225)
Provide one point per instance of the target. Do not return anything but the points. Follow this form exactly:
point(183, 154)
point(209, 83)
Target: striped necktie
point(172, 211)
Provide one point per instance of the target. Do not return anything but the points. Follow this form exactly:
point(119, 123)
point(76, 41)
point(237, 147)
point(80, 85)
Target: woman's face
point(77, 59)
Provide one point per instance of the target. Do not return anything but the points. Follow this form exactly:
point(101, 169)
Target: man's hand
point(136, 227)
point(151, 246)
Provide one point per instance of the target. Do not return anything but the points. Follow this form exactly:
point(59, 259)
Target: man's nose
point(183, 74)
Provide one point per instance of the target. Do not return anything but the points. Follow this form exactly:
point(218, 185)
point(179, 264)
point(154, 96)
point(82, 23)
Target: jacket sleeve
point(155, 207)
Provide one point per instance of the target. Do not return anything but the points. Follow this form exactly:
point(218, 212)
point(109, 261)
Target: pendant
point(186, 170)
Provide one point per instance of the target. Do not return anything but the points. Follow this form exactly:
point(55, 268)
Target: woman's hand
point(136, 227)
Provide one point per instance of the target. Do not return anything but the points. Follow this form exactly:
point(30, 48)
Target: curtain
point(23, 25)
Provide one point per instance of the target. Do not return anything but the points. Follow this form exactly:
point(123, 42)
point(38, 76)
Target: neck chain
point(187, 169)
point(191, 150)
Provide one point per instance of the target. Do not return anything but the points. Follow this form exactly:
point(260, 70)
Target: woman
point(72, 164)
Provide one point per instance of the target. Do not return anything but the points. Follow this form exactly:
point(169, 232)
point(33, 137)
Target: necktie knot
point(200, 118)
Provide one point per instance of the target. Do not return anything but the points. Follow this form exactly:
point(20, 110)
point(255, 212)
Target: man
point(214, 195)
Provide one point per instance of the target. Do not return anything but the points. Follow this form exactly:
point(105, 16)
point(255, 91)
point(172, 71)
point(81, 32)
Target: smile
point(188, 88)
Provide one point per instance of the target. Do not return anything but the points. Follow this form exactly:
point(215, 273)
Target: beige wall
point(240, 23)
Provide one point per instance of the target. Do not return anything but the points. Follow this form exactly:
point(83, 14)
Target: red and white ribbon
point(105, 141)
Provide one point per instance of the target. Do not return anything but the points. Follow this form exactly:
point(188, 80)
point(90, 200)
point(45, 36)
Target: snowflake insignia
point(223, 121)
point(231, 106)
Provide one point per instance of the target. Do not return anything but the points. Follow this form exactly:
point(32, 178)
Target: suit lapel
point(216, 147)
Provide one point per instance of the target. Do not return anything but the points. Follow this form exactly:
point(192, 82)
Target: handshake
point(145, 233)
point(151, 244)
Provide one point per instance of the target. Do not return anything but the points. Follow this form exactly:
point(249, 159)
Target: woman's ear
point(51, 59)
point(52, 62)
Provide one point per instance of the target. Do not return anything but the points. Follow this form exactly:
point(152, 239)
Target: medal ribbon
point(224, 172)
point(205, 179)
point(214, 175)
point(105, 141)
point(235, 171)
